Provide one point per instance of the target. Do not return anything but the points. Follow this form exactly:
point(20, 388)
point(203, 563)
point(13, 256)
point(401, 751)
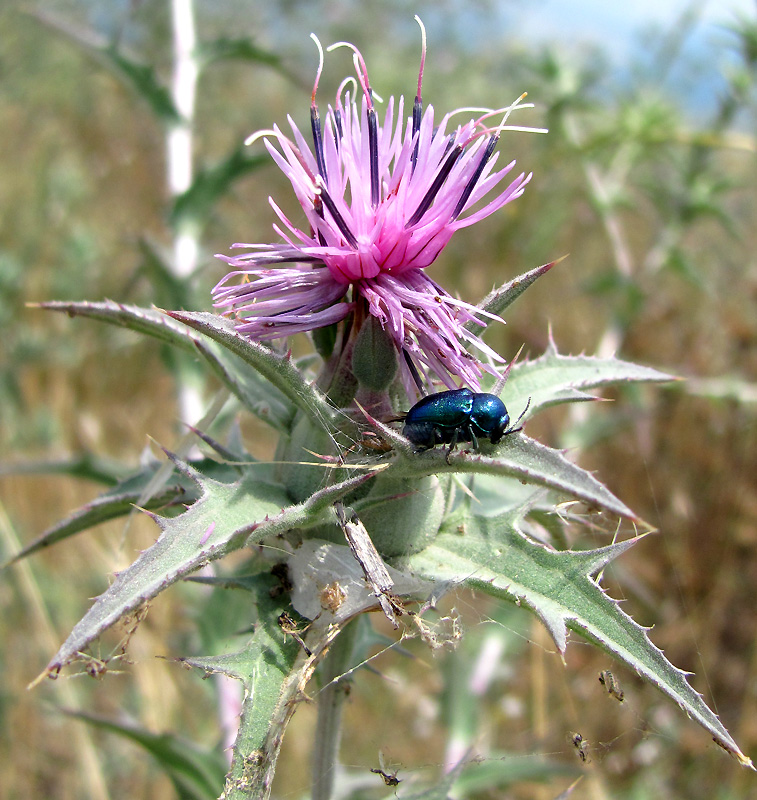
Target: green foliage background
point(652, 197)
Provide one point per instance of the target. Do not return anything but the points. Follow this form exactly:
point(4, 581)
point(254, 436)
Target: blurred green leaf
point(439, 791)
point(169, 290)
point(143, 80)
point(139, 78)
point(193, 208)
point(195, 773)
point(500, 770)
point(86, 466)
point(226, 48)
point(725, 387)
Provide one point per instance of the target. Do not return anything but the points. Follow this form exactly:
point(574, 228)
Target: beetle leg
point(473, 438)
point(452, 445)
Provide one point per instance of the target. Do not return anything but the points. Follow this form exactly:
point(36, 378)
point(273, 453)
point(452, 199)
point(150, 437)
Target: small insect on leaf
point(611, 683)
point(332, 596)
point(289, 626)
point(581, 745)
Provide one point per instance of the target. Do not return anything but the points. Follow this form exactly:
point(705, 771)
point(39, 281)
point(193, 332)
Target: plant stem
point(179, 165)
point(328, 731)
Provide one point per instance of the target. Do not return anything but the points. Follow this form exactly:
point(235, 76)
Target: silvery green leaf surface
point(491, 555)
point(238, 374)
point(122, 499)
point(499, 299)
point(224, 518)
point(554, 378)
point(278, 369)
point(520, 457)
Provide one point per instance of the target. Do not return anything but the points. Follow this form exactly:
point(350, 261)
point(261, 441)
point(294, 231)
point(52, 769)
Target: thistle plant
point(350, 516)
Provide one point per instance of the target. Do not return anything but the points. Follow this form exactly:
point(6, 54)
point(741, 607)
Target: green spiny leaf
point(499, 299)
point(553, 378)
point(520, 457)
point(278, 369)
point(218, 523)
point(121, 500)
point(274, 669)
point(493, 556)
point(225, 518)
point(142, 320)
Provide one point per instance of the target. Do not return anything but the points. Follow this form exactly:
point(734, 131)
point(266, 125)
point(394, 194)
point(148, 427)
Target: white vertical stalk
point(179, 165)
point(186, 248)
point(183, 92)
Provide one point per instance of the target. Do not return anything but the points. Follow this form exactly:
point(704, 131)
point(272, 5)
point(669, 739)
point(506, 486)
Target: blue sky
point(617, 22)
point(552, 18)
point(618, 27)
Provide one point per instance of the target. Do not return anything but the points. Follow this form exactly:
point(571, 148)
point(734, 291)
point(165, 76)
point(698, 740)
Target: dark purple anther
point(374, 156)
point(315, 125)
point(425, 204)
point(487, 154)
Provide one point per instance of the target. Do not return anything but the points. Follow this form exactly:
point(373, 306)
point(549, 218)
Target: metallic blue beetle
point(459, 415)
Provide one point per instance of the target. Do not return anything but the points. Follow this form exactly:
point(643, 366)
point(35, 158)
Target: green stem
point(330, 701)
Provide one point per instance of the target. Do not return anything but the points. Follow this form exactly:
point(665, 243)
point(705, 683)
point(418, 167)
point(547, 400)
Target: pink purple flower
point(382, 198)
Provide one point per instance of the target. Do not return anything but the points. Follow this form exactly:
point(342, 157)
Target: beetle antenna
point(500, 384)
point(518, 427)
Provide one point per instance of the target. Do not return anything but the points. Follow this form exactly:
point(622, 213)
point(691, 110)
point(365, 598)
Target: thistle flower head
point(382, 197)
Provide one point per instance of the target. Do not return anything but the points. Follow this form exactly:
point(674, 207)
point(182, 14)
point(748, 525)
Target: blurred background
point(646, 180)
